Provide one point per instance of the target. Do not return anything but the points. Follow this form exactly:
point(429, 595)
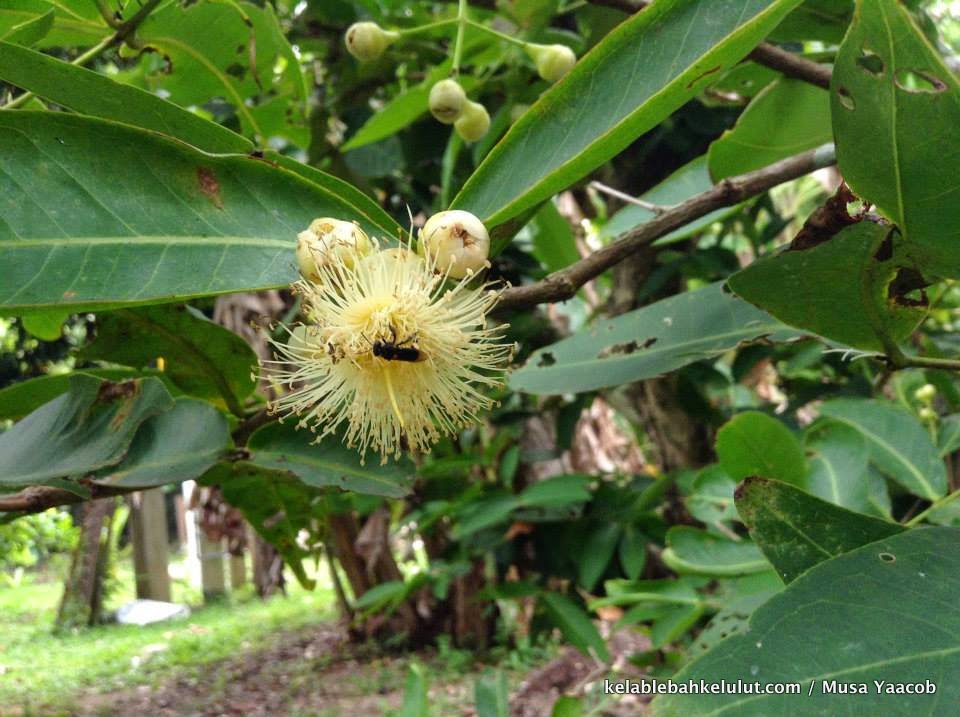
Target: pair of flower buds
point(456, 241)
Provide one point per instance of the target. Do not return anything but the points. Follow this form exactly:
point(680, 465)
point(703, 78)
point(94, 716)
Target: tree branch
point(562, 285)
point(765, 53)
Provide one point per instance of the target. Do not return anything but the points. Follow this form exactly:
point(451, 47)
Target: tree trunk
point(148, 530)
point(82, 600)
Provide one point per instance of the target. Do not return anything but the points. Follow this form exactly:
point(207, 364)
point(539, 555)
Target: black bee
point(393, 350)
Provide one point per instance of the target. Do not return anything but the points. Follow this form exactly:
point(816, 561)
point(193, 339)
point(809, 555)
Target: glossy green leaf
point(214, 49)
point(839, 460)
point(641, 72)
point(894, 104)
point(45, 325)
point(174, 446)
point(19, 399)
point(690, 180)
point(95, 94)
point(276, 503)
point(754, 444)
point(884, 611)
point(87, 428)
point(899, 444)
point(697, 552)
point(575, 624)
point(647, 342)
point(328, 464)
point(596, 554)
point(786, 118)
point(840, 288)
point(30, 31)
point(201, 357)
point(151, 221)
point(553, 242)
point(76, 23)
point(796, 531)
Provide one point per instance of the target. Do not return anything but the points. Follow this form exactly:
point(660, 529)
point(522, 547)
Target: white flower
point(391, 351)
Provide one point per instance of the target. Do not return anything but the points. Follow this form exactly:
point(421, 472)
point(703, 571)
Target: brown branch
point(765, 53)
point(562, 285)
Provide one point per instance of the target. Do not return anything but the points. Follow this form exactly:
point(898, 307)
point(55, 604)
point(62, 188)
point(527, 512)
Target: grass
point(40, 668)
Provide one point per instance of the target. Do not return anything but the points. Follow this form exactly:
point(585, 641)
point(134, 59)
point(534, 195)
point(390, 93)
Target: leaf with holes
point(153, 220)
point(647, 342)
point(201, 357)
point(899, 444)
point(632, 80)
point(895, 104)
point(88, 428)
point(852, 288)
point(796, 531)
point(754, 444)
point(329, 464)
point(885, 611)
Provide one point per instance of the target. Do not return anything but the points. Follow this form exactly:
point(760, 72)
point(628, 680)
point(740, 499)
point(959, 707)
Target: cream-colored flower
point(392, 350)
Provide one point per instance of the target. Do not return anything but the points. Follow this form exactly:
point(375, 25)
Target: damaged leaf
point(852, 288)
point(647, 342)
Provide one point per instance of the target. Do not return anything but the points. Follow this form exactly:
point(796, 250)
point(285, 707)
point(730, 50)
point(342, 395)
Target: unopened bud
point(926, 393)
point(457, 243)
point(330, 240)
point(552, 61)
point(367, 40)
point(473, 123)
point(447, 100)
point(927, 414)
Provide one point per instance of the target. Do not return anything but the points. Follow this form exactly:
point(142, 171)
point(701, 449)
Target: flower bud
point(456, 241)
point(552, 61)
point(367, 40)
point(447, 100)
point(330, 240)
point(473, 123)
point(926, 393)
point(927, 414)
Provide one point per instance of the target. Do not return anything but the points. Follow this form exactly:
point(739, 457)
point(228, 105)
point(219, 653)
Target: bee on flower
point(394, 349)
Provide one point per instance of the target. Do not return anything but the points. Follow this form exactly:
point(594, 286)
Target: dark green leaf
point(87, 428)
point(754, 444)
point(567, 707)
point(575, 624)
point(839, 459)
point(885, 611)
point(647, 342)
point(556, 492)
point(632, 552)
point(796, 531)
point(174, 446)
point(899, 444)
point(596, 554)
point(694, 551)
point(328, 464)
point(553, 242)
point(152, 221)
point(642, 71)
point(893, 100)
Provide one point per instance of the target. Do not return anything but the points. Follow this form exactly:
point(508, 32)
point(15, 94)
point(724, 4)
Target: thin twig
point(624, 197)
point(562, 285)
point(765, 53)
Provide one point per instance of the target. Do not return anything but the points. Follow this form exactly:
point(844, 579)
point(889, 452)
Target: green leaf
point(484, 513)
point(87, 428)
point(739, 597)
point(174, 446)
point(556, 492)
point(839, 461)
point(276, 503)
point(156, 221)
point(711, 497)
point(754, 444)
point(76, 23)
point(575, 624)
point(646, 342)
point(201, 357)
point(824, 20)
point(673, 623)
point(415, 697)
point(796, 530)
point(697, 552)
point(632, 552)
point(641, 72)
point(491, 695)
point(95, 94)
point(899, 444)
point(553, 242)
point(19, 399)
point(567, 707)
point(596, 554)
point(30, 31)
point(690, 180)
point(786, 118)
point(45, 325)
point(381, 596)
point(328, 464)
point(948, 438)
point(214, 49)
point(884, 611)
point(842, 288)
point(892, 99)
